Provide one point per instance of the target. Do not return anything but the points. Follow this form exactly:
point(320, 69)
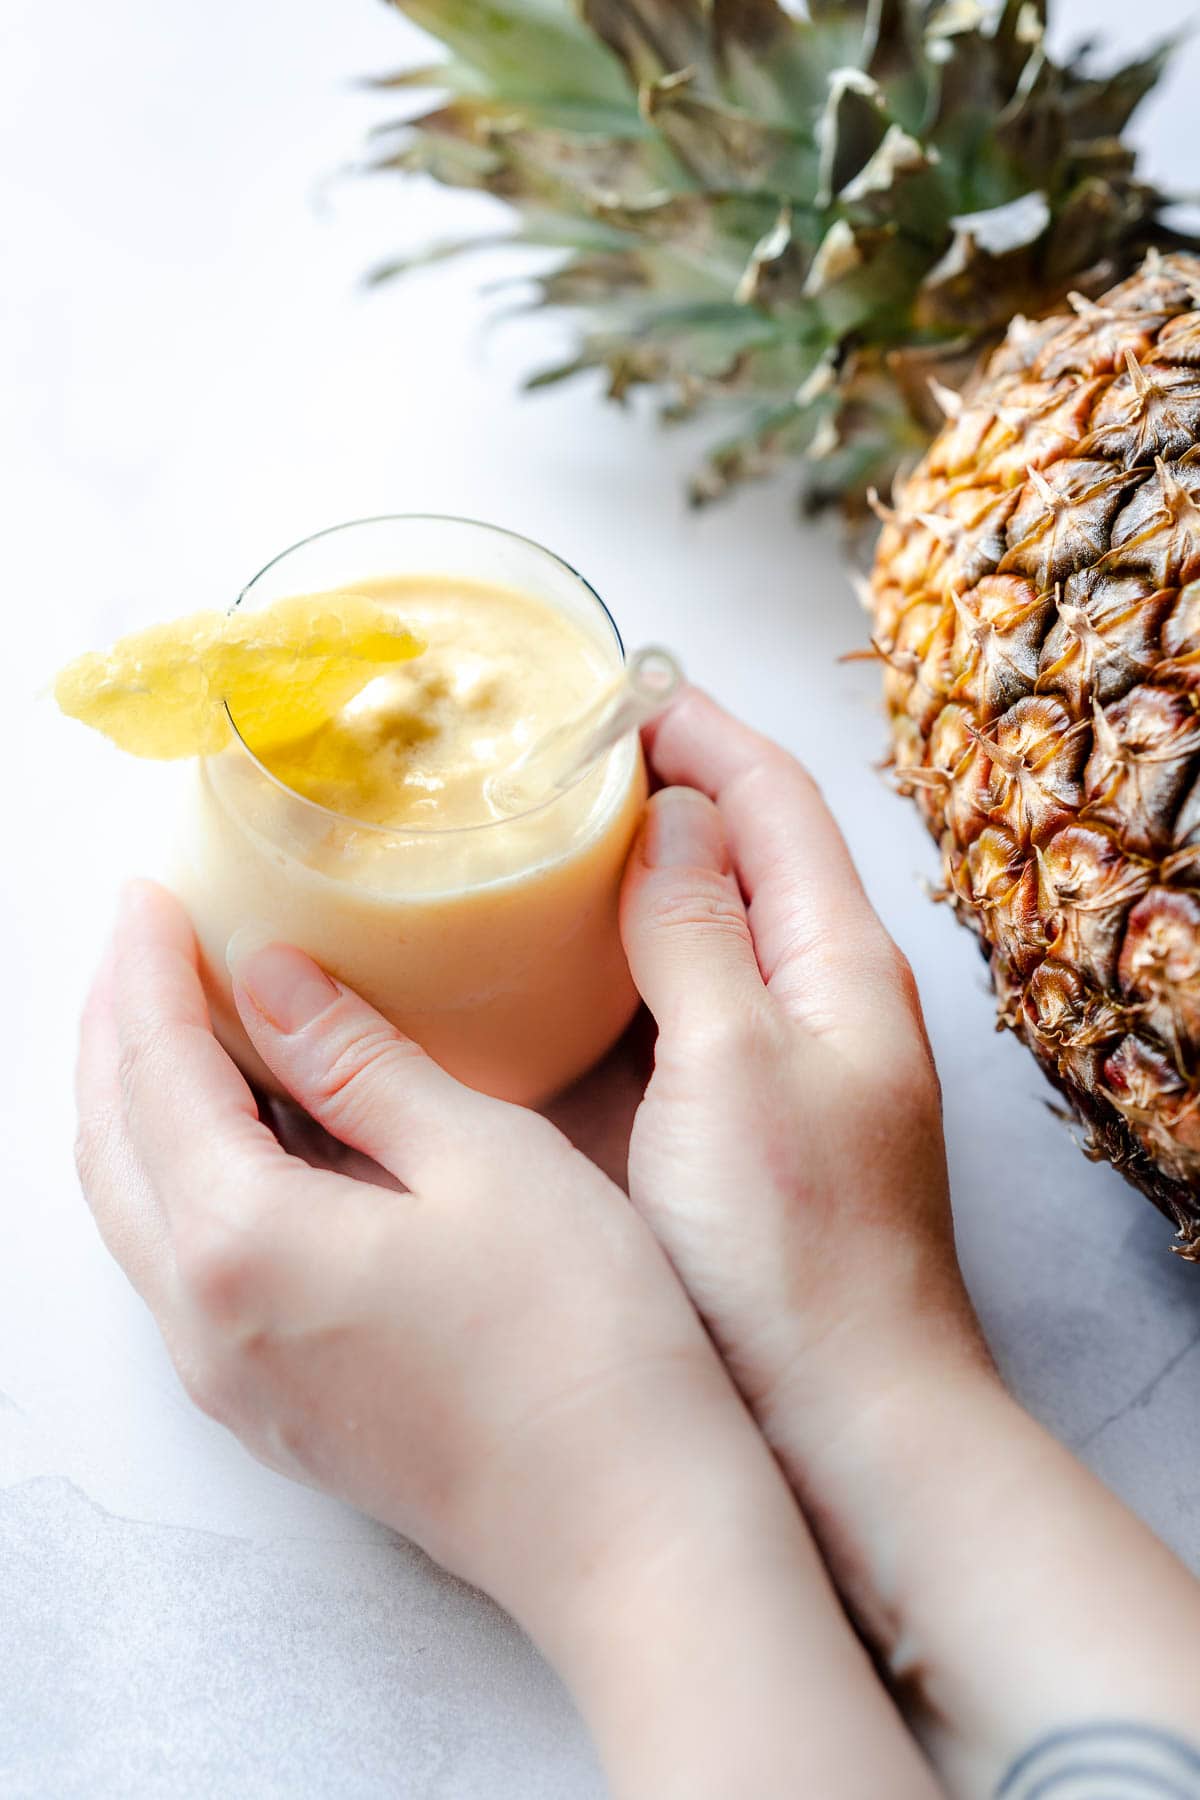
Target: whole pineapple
point(1037, 599)
point(815, 226)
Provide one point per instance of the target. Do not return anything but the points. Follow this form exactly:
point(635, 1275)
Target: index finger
point(816, 935)
point(191, 1115)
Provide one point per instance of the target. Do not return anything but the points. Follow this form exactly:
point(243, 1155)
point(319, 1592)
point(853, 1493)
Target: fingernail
point(284, 985)
point(683, 831)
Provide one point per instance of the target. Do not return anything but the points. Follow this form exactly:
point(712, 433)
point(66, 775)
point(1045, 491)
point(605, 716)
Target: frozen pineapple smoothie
point(377, 844)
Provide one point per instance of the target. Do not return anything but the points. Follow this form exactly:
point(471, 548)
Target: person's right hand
point(789, 1154)
point(789, 1149)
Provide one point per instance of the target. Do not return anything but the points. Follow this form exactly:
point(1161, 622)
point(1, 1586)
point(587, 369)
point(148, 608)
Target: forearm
point(727, 1669)
point(705, 1645)
point(1010, 1594)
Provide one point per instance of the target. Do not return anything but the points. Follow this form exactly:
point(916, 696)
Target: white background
point(192, 379)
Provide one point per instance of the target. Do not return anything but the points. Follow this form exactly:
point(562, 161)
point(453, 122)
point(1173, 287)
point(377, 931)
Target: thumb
point(348, 1066)
point(683, 921)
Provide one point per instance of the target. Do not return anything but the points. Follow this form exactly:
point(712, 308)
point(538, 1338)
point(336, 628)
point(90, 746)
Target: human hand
point(597, 1112)
point(497, 1360)
point(789, 1148)
point(789, 1155)
point(528, 1285)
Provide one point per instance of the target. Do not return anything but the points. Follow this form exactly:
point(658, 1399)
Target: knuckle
point(220, 1264)
point(868, 962)
point(899, 1081)
point(806, 943)
point(140, 1058)
point(348, 1079)
point(898, 979)
point(711, 907)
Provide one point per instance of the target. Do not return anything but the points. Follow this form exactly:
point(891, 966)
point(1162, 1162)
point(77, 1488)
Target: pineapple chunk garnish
point(281, 672)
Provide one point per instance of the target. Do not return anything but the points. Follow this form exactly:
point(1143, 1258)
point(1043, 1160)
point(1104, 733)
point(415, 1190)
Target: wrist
point(1006, 1591)
point(870, 1448)
point(696, 1627)
point(872, 1373)
point(588, 1489)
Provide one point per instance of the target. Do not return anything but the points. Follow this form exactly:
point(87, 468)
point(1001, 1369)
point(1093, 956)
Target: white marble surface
point(191, 381)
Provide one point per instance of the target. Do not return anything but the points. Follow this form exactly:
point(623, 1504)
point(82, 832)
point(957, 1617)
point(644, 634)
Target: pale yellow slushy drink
point(377, 844)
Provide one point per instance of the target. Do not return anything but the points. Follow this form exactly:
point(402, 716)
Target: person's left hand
point(402, 1349)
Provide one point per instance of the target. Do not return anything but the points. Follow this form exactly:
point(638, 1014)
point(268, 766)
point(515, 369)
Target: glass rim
point(401, 830)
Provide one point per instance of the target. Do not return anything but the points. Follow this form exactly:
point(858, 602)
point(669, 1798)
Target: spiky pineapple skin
point(1036, 595)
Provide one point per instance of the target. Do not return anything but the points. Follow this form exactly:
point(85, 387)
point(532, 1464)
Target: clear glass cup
point(495, 946)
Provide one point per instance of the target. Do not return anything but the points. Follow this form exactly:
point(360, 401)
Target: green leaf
point(589, 280)
point(840, 35)
point(777, 269)
point(447, 251)
point(724, 148)
point(740, 194)
point(1091, 225)
point(1030, 135)
point(850, 130)
point(902, 184)
point(698, 238)
point(1020, 29)
point(862, 280)
point(759, 29)
point(445, 75)
point(765, 62)
point(766, 437)
point(653, 38)
point(540, 45)
point(1103, 108)
point(453, 160)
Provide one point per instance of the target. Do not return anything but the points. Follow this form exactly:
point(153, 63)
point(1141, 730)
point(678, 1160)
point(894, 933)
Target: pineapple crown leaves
point(799, 220)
